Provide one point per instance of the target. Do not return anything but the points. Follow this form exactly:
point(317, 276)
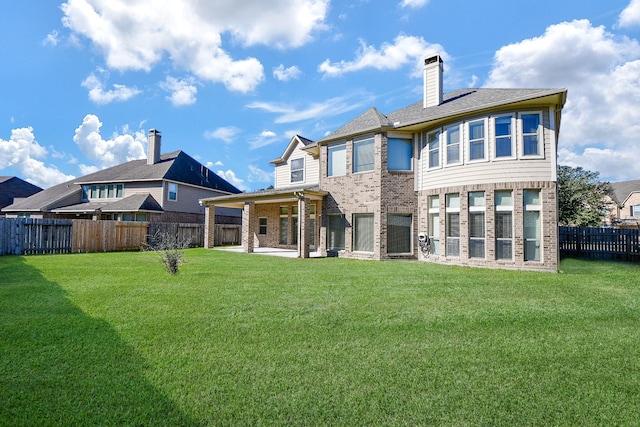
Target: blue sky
point(230, 82)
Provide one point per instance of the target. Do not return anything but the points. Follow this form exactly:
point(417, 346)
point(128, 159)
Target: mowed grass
point(236, 339)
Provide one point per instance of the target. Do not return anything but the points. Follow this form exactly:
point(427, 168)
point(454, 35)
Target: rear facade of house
point(465, 178)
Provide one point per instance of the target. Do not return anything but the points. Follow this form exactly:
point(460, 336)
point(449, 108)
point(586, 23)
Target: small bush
point(169, 248)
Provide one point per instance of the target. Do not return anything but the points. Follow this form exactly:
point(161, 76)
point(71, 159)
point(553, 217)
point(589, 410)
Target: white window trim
point(303, 170)
point(335, 146)
point(169, 184)
point(540, 154)
point(494, 138)
point(482, 209)
point(445, 146)
point(467, 140)
point(355, 142)
point(428, 149)
point(535, 208)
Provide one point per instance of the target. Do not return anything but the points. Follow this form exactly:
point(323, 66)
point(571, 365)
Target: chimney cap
point(154, 131)
point(433, 59)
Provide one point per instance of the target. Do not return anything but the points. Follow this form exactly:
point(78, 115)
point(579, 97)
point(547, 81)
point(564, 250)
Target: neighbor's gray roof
point(176, 166)
point(134, 203)
point(456, 103)
point(622, 190)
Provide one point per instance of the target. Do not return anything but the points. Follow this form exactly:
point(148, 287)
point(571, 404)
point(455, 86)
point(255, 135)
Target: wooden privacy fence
point(621, 244)
point(25, 236)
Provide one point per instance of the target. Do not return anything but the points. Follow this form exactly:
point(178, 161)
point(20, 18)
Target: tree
point(583, 199)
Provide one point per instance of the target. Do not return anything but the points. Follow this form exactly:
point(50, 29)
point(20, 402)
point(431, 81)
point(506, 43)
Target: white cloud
point(230, 176)
point(414, 4)
point(318, 110)
point(258, 175)
point(51, 39)
point(98, 95)
point(390, 56)
point(601, 73)
point(23, 153)
point(183, 92)
point(108, 152)
point(630, 16)
point(227, 134)
point(265, 138)
point(136, 36)
point(286, 74)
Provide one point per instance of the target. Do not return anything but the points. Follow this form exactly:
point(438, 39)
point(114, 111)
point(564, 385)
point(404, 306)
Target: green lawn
point(236, 339)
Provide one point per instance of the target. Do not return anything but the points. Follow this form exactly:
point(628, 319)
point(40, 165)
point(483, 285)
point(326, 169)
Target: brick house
point(626, 207)
point(465, 178)
point(161, 188)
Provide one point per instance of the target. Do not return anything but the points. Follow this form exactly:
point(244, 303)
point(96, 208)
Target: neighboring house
point(13, 189)
point(162, 188)
point(627, 203)
point(467, 178)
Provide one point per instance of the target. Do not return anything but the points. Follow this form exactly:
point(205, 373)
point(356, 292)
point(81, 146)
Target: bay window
point(476, 224)
point(532, 225)
point(453, 224)
point(530, 134)
point(504, 224)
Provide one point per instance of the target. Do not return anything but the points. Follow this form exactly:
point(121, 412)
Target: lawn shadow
point(59, 366)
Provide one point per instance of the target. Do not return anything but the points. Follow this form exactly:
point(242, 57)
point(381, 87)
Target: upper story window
point(530, 134)
point(297, 170)
point(503, 133)
point(363, 155)
point(453, 144)
point(635, 210)
point(337, 160)
point(433, 142)
point(102, 191)
point(477, 139)
point(399, 154)
point(173, 191)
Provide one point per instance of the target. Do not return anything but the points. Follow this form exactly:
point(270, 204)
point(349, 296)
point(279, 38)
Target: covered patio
point(274, 220)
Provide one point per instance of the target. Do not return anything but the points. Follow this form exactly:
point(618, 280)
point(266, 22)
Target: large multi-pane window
point(477, 140)
point(434, 224)
point(297, 170)
point(104, 191)
point(477, 209)
point(363, 232)
point(453, 144)
point(504, 224)
point(399, 233)
point(453, 224)
point(530, 134)
point(335, 231)
point(399, 154)
point(337, 160)
point(284, 225)
point(433, 142)
point(363, 155)
point(532, 225)
point(502, 128)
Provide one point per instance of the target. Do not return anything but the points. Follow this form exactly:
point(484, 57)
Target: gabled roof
point(134, 203)
point(295, 140)
point(622, 190)
point(455, 104)
point(176, 166)
point(12, 187)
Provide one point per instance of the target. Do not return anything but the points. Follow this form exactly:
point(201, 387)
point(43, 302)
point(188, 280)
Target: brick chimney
point(432, 81)
point(153, 154)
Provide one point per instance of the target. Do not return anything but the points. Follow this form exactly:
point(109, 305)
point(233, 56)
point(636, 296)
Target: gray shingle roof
point(12, 187)
point(622, 190)
point(458, 102)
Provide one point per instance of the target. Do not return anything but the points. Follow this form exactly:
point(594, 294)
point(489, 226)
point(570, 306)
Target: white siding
point(311, 170)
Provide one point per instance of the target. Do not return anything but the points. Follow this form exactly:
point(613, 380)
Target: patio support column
point(248, 226)
point(303, 226)
point(209, 226)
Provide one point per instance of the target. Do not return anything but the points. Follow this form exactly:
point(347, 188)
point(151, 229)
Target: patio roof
point(265, 196)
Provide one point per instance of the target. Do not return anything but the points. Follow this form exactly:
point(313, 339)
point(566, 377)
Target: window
point(173, 191)
point(504, 224)
point(532, 231)
point(433, 142)
point(476, 140)
point(434, 224)
point(399, 154)
point(453, 224)
point(297, 170)
point(262, 225)
point(94, 192)
point(335, 231)
point(86, 191)
point(141, 217)
point(363, 155)
point(453, 144)
point(363, 232)
point(502, 127)
point(284, 225)
point(294, 225)
point(337, 160)
point(399, 233)
point(103, 192)
point(476, 224)
point(635, 210)
point(119, 191)
point(110, 191)
point(530, 134)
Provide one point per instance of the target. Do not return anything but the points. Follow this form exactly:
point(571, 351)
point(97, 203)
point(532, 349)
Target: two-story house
point(626, 207)
point(161, 188)
point(467, 178)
